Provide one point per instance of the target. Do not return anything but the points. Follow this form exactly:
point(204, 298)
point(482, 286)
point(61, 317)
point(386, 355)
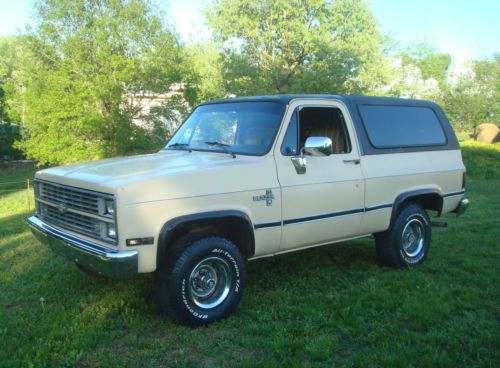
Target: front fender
point(174, 227)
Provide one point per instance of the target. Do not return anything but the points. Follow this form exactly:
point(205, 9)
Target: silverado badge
point(268, 197)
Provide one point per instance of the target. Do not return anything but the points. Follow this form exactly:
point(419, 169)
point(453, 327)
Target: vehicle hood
point(163, 175)
point(112, 172)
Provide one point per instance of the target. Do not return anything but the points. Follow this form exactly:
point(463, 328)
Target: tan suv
point(253, 177)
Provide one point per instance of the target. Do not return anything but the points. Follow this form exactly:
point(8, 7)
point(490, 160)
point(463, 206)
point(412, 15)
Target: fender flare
point(169, 228)
point(403, 197)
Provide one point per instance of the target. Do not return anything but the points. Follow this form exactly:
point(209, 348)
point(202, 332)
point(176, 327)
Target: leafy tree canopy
point(100, 78)
point(430, 62)
point(205, 80)
point(279, 46)
point(475, 100)
point(94, 57)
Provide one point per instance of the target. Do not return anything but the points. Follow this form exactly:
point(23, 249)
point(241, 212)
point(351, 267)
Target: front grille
point(71, 221)
point(78, 210)
point(73, 198)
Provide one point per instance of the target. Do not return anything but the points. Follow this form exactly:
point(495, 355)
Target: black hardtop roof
point(352, 103)
point(348, 99)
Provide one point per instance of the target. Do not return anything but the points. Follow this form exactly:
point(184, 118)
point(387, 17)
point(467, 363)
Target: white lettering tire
point(407, 241)
point(202, 280)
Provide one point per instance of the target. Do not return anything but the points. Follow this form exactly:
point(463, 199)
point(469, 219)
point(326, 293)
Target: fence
point(7, 167)
point(16, 186)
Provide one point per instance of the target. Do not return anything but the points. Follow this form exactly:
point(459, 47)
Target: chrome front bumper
point(108, 262)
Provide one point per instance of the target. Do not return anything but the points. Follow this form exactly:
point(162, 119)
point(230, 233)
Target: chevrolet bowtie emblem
point(62, 208)
point(268, 197)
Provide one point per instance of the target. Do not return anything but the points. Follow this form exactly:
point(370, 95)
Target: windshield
point(246, 128)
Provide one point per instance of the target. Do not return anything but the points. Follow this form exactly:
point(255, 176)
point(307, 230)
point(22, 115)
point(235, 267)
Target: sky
point(458, 27)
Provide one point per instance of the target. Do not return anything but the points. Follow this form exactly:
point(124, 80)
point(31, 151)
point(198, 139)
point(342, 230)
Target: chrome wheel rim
point(210, 282)
point(413, 237)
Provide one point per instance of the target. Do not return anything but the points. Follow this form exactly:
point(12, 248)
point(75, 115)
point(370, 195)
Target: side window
point(401, 126)
point(324, 122)
point(316, 122)
point(289, 146)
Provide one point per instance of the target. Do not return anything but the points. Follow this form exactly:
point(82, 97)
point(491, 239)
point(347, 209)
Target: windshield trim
point(268, 149)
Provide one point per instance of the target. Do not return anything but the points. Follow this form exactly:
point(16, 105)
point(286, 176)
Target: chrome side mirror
point(318, 146)
point(300, 162)
point(315, 146)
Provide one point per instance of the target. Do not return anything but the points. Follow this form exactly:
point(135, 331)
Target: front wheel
point(407, 241)
point(202, 281)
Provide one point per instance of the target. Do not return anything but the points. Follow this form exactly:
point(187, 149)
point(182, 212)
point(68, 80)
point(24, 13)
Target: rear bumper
point(462, 206)
point(108, 262)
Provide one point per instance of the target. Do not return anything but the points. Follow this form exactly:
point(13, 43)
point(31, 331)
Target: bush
point(9, 133)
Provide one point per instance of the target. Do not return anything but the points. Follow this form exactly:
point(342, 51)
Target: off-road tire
point(395, 247)
point(188, 273)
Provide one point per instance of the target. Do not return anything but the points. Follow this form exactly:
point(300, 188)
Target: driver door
point(326, 202)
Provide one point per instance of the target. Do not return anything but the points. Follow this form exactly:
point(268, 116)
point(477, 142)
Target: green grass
point(329, 306)
point(463, 136)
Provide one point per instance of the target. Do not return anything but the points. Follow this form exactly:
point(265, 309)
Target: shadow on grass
point(64, 287)
point(343, 255)
point(73, 301)
point(13, 225)
point(338, 291)
point(328, 267)
point(11, 245)
point(51, 309)
point(4, 192)
point(30, 268)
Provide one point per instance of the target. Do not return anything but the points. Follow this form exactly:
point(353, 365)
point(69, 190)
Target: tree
point(431, 63)
point(205, 79)
point(96, 58)
point(487, 74)
point(475, 99)
point(279, 46)
point(3, 112)
point(416, 70)
point(10, 69)
point(7, 60)
point(407, 81)
point(435, 66)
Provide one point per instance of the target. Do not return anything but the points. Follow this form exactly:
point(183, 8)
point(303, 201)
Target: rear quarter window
point(401, 126)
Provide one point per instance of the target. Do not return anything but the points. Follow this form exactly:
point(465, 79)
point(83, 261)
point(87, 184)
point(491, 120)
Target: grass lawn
point(330, 306)
point(463, 136)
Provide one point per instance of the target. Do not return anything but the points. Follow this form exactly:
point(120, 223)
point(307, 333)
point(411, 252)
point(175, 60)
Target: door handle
point(354, 161)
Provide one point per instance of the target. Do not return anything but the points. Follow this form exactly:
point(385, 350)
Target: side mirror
point(300, 162)
point(315, 146)
point(318, 146)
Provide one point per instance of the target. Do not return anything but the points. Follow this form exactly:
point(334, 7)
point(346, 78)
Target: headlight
point(109, 207)
point(111, 231)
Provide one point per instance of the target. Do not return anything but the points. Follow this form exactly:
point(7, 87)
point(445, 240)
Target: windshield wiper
point(179, 145)
point(224, 146)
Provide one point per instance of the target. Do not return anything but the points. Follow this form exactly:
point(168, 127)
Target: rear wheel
point(407, 241)
point(202, 280)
